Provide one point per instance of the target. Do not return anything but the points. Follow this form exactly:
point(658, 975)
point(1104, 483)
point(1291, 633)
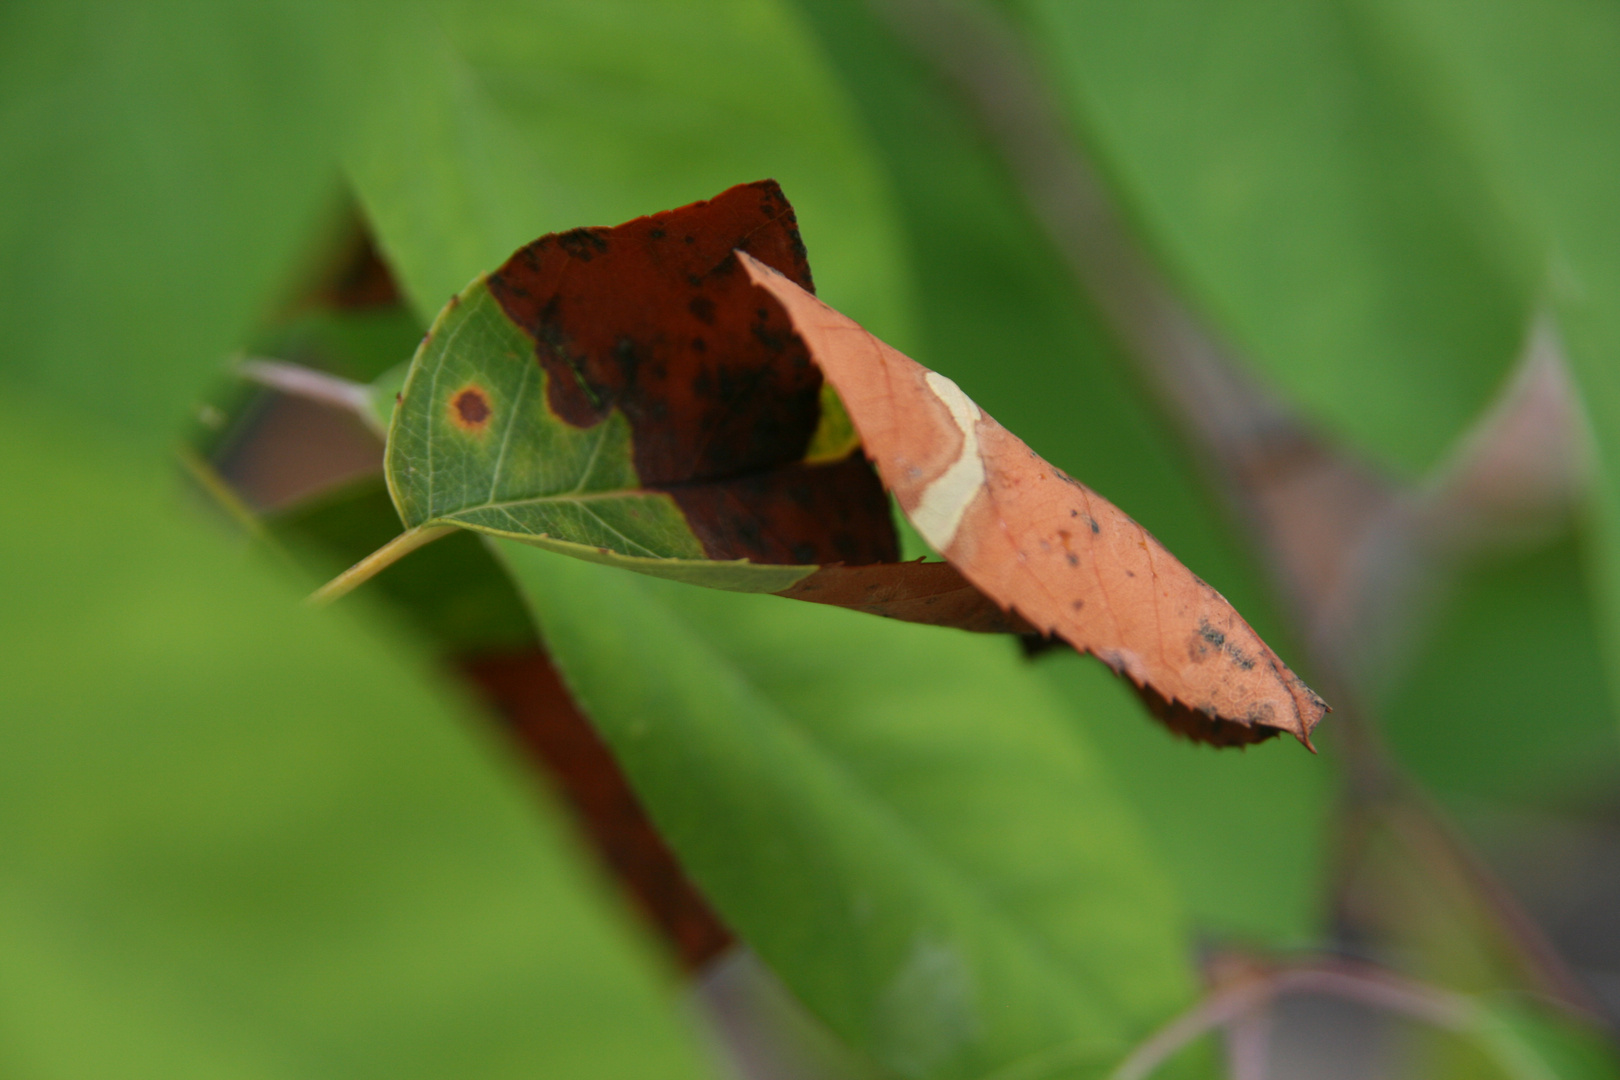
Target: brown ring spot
point(470, 411)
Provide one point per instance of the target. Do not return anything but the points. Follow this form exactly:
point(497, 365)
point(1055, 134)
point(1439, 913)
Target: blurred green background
point(1326, 294)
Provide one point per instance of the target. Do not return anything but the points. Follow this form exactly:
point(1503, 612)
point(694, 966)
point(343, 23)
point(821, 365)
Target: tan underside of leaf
point(1044, 546)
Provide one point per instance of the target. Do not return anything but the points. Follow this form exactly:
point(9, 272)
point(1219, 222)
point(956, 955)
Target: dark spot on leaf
point(703, 308)
point(1074, 560)
point(1210, 634)
point(1095, 528)
point(583, 244)
point(469, 410)
point(657, 234)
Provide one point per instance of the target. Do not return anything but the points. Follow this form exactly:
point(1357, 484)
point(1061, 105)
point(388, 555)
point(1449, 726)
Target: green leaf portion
point(997, 311)
point(1537, 90)
point(247, 839)
point(1507, 698)
point(1531, 1040)
point(1296, 171)
point(159, 165)
point(520, 471)
point(1514, 1039)
point(897, 818)
point(1245, 834)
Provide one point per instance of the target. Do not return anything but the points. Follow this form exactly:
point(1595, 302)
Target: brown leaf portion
point(798, 514)
point(1045, 546)
point(655, 318)
point(932, 593)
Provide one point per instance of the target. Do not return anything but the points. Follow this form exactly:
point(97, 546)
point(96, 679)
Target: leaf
point(245, 839)
point(1518, 638)
point(1302, 178)
point(624, 395)
point(1245, 873)
point(1041, 543)
point(898, 819)
point(135, 136)
point(1535, 92)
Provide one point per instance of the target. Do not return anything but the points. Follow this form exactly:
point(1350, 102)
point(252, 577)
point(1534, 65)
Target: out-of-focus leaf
point(384, 393)
point(501, 121)
point(159, 165)
point(362, 345)
point(1246, 872)
point(1516, 1040)
point(1297, 173)
point(626, 395)
point(1526, 1033)
point(244, 839)
point(1507, 698)
point(1536, 89)
point(897, 818)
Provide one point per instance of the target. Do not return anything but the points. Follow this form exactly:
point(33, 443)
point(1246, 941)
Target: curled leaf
point(1044, 546)
point(626, 395)
point(667, 396)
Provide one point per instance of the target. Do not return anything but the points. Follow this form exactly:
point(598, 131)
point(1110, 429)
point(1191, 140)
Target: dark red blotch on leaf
point(656, 318)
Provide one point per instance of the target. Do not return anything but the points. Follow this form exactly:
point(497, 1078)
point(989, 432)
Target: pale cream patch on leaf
point(939, 512)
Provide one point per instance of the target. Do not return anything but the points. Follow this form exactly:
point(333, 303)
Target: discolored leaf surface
point(626, 395)
point(634, 396)
point(1041, 543)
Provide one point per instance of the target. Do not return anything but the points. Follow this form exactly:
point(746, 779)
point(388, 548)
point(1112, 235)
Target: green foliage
point(1246, 834)
point(1516, 654)
point(137, 138)
point(245, 839)
point(1290, 164)
point(1534, 92)
point(898, 818)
